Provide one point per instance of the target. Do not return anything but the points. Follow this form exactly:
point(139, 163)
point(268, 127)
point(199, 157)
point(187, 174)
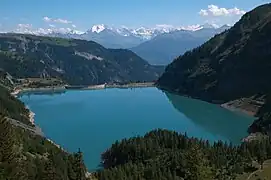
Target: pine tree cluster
point(162, 154)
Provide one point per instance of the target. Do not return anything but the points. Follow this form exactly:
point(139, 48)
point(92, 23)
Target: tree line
point(24, 156)
point(163, 154)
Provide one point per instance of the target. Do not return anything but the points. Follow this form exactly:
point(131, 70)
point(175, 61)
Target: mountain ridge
point(165, 47)
point(230, 66)
point(76, 62)
point(111, 37)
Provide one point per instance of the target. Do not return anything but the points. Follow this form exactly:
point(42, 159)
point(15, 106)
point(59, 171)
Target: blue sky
point(82, 14)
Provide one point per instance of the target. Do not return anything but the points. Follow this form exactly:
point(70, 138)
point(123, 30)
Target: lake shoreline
point(235, 108)
point(246, 106)
point(18, 91)
point(31, 115)
point(131, 85)
point(243, 105)
point(142, 103)
point(108, 86)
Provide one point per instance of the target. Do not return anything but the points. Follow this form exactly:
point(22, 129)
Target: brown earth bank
point(130, 85)
point(249, 106)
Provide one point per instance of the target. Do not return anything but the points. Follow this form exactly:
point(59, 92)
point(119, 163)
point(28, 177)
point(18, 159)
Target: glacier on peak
point(98, 28)
point(146, 32)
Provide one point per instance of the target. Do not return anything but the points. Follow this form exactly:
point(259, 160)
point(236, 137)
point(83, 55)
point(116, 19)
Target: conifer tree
point(49, 172)
point(7, 141)
point(2, 173)
point(19, 170)
point(197, 168)
point(71, 168)
point(7, 147)
point(79, 166)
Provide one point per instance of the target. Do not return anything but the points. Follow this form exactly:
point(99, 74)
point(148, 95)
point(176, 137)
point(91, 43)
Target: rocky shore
point(235, 108)
point(130, 85)
point(107, 86)
point(32, 114)
point(248, 106)
point(18, 91)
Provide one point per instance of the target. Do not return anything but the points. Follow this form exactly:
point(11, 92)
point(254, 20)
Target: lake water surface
point(92, 120)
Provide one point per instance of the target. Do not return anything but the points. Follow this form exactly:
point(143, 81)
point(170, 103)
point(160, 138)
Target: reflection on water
point(94, 119)
point(214, 119)
point(42, 92)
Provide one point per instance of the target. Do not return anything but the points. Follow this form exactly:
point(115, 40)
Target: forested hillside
point(27, 156)
point(232, 65)
point(162, 154)
point(76, 62)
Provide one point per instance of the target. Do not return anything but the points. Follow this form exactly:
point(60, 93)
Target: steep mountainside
point(74, 61)
point(25, 155)
point(165, 47)
point(166, 155)
point(6, 79)
point(233, 64)
point(263, 123)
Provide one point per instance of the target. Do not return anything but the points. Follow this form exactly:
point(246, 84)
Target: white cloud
point(63, 21)
point(24, 26)
point(164, 26)
point(214, 10)
point(47, 19)
point(203, 12)
point(45, 31)
point(28, 29)
point(57, 20)
point(73, 25)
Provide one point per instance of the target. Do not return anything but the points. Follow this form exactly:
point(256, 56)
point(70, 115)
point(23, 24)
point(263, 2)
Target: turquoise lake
point(94, 119)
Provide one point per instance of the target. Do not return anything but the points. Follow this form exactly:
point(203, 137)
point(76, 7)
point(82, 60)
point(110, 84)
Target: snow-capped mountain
point(145, 32)
point(158, 45)
point(163, 48)
point(125, 37)
point(142, 32)
point(112, 37)
point(98, 28)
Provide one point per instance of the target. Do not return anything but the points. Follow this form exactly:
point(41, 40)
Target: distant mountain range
point(112, 37)
point(158, 45)
point(165, 47)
